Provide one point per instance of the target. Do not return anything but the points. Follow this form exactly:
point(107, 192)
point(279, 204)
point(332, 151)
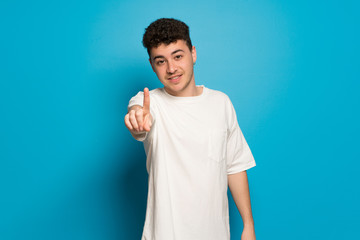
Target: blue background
point(71, 170)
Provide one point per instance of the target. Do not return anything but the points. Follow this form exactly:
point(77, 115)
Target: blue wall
point(69, 168)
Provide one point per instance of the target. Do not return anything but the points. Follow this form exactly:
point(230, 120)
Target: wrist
point(249, 224)
point(138, 134)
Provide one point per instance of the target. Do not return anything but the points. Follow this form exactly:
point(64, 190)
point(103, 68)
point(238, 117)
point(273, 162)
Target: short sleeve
point(239, 156)
point(138, 99)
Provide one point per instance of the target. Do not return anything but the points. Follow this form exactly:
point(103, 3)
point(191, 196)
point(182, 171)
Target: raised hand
point(139, 119)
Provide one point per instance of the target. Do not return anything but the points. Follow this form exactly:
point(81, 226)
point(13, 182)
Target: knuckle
point(134, 122)
point(132, 117)
point(139, 112)
point(131, 114)
point(139, 118)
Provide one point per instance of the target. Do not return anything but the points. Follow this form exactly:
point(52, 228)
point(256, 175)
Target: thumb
point(147, 122)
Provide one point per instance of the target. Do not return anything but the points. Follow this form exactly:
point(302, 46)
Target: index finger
point(146, 105)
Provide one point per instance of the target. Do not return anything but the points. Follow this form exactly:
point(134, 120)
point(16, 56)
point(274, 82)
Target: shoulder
point(218, 95)
point(155, 92)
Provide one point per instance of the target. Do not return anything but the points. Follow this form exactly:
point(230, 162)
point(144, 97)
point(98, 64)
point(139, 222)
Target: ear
point(193, 53)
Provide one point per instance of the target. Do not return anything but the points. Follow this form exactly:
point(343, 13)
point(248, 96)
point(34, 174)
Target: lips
point(175, 78)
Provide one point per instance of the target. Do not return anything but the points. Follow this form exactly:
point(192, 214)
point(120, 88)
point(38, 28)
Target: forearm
point(239, 188)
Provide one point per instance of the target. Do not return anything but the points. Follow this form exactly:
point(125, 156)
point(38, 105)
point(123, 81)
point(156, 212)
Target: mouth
point(175, 78)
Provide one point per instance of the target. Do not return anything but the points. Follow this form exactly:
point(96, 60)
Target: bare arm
point(239, 188)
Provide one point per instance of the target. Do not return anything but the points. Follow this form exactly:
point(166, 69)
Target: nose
point(171, 67)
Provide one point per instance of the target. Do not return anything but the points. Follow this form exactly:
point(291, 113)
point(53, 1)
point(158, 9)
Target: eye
point(160, 62)
point(178, 57)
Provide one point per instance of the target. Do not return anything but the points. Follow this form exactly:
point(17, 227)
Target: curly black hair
point(165, 30)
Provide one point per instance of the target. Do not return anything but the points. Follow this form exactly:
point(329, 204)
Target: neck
point(191, 90)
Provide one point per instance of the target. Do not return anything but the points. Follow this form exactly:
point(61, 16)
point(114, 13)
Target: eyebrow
point(176, 51)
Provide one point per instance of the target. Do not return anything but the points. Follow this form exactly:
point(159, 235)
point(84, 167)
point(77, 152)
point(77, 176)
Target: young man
point(194, 146)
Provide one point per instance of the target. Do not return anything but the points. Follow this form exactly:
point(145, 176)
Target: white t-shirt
point(194, 143)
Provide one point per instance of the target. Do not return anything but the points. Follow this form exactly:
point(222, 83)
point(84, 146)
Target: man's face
point(174, 66)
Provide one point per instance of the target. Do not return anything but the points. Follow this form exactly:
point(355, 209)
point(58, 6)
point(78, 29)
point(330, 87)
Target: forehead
point(166, 50)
